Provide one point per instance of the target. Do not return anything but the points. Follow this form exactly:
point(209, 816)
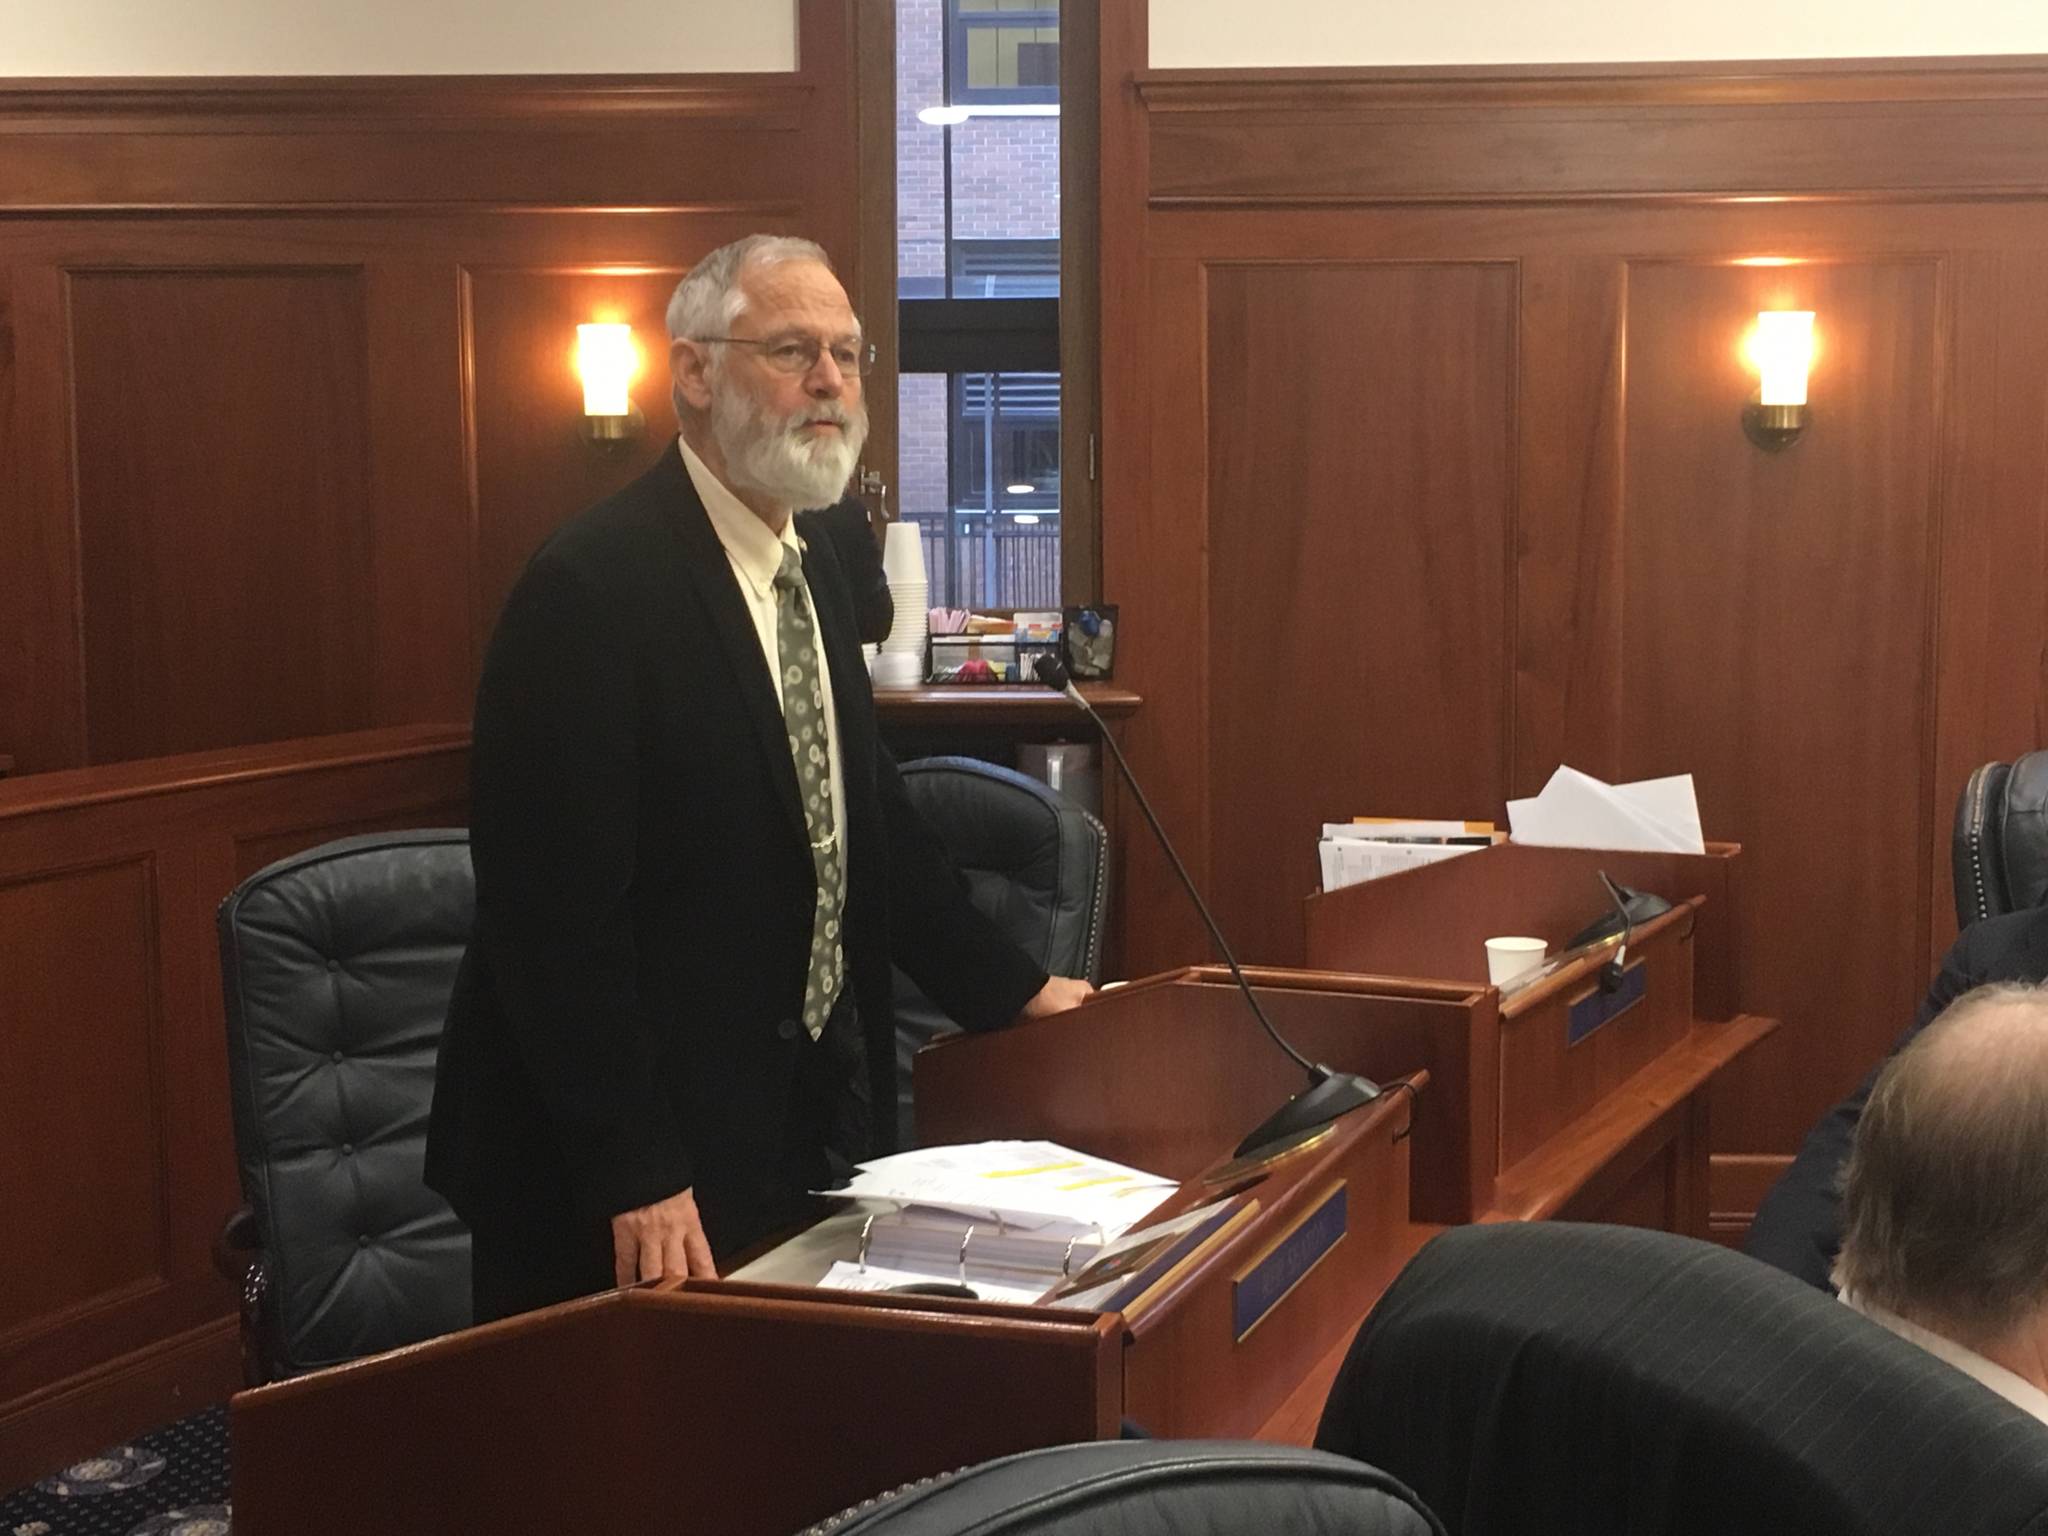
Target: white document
point(1351, 860)
point(1576, 810)
point(1031, 1185)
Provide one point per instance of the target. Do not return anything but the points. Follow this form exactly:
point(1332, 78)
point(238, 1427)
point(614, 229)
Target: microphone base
point(1330, 1096)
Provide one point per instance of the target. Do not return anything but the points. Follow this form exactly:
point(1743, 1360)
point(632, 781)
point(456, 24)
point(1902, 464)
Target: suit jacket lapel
point(851, 702)
point(716, 584)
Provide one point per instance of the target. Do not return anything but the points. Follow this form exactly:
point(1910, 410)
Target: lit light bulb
point(606, 360)
point(1783, 350)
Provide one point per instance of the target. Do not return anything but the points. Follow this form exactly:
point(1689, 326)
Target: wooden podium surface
point(722, 1406)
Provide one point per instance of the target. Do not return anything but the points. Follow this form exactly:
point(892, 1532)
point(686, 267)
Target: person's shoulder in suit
point(2010, 947)
point(614, 538)
point(1797, 1227)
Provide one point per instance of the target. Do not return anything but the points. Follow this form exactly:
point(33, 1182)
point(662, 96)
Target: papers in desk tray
point(1010, 1215)
point(1116, 1272)
point(1029, 1184)
point(1576, 810)
point(1353, 852)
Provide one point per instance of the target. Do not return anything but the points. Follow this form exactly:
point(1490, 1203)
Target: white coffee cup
point(1507, 958)
point(903, 553)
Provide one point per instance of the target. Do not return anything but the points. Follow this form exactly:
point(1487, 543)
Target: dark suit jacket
point(1798, 1227)
point(845, 524)
point(1531, 1378)
point(623, 1025)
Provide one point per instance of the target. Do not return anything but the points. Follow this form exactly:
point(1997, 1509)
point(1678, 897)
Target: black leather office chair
point(1552, 1377)
point(2000, 849)
point(337, 965)
point(1035, 863)
point(1149, 1488)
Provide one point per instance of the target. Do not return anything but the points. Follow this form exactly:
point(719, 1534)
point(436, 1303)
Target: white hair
point(709, 298)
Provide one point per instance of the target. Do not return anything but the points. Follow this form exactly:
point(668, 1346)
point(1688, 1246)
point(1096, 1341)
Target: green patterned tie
point(803, 716)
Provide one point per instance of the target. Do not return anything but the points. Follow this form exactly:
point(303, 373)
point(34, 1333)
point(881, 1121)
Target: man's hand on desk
point(665, 1238)
point(1057, 995)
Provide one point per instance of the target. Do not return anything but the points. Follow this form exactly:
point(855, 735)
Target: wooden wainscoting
point(286, 394)
point(116, 1154)
point(1424, 473)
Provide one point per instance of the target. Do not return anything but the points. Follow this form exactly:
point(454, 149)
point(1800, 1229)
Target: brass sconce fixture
point(606, 361)
point(1782, 349)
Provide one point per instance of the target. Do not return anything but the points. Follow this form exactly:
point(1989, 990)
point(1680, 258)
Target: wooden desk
point(1545, 1117)
point(721, 1406)
point(682, 1402)
point(1613, 1127)
point(1023, 706)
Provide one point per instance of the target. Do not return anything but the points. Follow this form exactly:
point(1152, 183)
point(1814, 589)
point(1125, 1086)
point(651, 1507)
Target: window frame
point(960, 23)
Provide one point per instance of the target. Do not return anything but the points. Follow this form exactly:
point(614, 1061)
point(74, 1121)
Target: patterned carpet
point(170, 1482)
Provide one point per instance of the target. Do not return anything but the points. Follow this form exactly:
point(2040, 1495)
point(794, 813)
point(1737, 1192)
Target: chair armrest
point(237, 1245)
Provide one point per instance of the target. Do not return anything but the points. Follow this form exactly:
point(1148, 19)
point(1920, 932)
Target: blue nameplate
point(1597, 1007)
point(1286, 1264)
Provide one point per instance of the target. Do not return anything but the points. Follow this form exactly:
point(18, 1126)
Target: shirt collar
point(2014, 1388)
point(756, 552)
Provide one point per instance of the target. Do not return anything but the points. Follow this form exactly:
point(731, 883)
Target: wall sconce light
point(1782, 349)
point(606, 361)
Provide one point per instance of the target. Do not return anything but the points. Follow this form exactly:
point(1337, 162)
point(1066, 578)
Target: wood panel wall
point(285, 385)
point(1424, 473)
point(286, 401)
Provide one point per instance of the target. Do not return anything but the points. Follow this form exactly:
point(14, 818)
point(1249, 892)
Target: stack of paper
point(1001, 1216)
point(1369, 847)
point(1576, 810)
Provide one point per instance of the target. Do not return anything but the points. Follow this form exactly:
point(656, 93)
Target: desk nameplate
point(1595, 1008)
point(1267, 1281)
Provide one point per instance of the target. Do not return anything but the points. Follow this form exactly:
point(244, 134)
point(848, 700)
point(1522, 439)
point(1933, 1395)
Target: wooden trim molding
point(1828, 130)
point(152, 1386)
point(78, 147)
point(1793, 82)
point(1736, 1185)
point(368, 103)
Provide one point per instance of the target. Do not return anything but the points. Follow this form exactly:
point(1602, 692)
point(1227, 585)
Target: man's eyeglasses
point(798, 355)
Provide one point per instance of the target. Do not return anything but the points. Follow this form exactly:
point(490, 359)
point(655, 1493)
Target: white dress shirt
point(2014, 1388)
point(756, 555)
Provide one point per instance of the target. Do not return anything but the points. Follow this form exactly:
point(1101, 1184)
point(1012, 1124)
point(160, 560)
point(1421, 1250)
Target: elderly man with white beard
point(694, 859)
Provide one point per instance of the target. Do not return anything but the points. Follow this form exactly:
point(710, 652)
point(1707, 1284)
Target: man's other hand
point(1057, 995)
point(665, 1238)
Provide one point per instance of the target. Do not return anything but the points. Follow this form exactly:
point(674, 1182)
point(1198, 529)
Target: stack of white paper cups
point(901, 662)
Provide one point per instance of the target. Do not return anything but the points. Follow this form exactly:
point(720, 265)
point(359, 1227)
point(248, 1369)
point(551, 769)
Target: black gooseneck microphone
point(1329, 1094)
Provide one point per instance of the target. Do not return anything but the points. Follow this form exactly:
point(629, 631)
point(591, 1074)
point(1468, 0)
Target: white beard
point(771, 457)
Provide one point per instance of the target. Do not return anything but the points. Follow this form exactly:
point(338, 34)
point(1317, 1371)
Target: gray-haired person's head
point(1945, 1196)
point(709, 298)
point(793, 436)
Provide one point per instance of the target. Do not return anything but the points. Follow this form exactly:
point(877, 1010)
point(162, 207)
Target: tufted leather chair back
point(1149, 1488)
point(337, 965)
point(2000, 848)
point(1035, 863)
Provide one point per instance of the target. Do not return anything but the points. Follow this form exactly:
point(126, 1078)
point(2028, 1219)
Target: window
point(1002, 52)
point(978, 280)
point(1005, 269)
